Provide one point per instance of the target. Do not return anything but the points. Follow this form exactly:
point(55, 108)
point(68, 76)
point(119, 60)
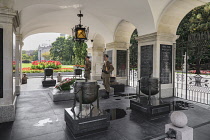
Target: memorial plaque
point(121, 63)
point(146, 60)
point(165, 64)
point(109, 53)
point(1, 63)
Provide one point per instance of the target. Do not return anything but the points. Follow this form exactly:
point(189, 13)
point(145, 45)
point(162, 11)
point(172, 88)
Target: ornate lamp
point(79, 32)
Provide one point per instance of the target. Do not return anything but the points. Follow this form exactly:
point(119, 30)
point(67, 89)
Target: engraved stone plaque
point(146, 60)
point(121, 63)
point(165, 64)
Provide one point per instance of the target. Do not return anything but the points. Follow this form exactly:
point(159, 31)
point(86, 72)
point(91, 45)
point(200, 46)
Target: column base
point(7, 112)
point(166, 90)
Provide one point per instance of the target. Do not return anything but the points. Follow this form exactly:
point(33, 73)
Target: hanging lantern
point(79, 32)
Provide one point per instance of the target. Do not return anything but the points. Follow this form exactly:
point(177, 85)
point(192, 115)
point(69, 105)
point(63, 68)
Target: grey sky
point(32, 42)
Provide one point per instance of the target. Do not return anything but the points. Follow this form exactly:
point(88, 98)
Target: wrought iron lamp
point(79, 32)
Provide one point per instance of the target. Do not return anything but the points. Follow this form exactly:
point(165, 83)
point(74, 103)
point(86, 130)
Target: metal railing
point(133, 77)
point(194, 87)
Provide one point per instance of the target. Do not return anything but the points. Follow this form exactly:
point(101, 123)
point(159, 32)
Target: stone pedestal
point(58, 95)
point(185, 133)
point(48, 83)
point(156, 108)
point(87, 121)
point(118, 87)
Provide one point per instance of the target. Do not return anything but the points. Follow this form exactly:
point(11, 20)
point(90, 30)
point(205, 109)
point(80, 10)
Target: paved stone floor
point(38, 118)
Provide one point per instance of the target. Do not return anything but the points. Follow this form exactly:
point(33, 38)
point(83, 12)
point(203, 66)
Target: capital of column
point(117, 45)
point(156, 37)
point(7, 15)
point(19, 38)
point(98, 49)
point(21, 44)
point(7, 4)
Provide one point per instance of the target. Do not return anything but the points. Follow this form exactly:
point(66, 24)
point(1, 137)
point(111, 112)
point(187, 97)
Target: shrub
point(26, 61)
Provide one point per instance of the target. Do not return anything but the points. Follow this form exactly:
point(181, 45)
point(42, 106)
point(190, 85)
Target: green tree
point(134, 50)
point(35, 55)
point(57, 51)
point(68, 51)
point(26, 57)
point(80, 51)
point(196, 21)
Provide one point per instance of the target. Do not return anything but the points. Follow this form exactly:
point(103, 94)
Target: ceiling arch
point(102, 17)
point(98, 41)
point(174, 13)
point(124, 31)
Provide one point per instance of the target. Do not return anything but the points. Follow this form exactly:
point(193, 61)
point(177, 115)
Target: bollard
point(179, 126)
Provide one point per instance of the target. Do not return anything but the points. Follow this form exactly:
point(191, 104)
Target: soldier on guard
point(87, 68)
point(106, 71)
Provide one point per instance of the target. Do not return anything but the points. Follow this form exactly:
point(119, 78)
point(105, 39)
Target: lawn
point(26, 65)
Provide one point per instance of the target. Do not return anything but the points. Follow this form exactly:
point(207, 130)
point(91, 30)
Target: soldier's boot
point(107, 95)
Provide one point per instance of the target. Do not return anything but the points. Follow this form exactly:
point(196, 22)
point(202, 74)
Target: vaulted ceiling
point(102, 16)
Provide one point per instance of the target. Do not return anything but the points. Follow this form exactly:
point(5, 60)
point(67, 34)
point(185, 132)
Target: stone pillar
point(114, 47)
point(161, 48)
point(17, 67)
point(21, 74)
point(7, 103)
point(97, 61)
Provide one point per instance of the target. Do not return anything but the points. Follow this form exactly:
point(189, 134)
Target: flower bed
point(202, 71)
point(79, 66)
point(30, 70)
point(45, 64)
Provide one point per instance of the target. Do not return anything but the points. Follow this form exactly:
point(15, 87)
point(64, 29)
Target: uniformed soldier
point(87, 68)
point(106, 71)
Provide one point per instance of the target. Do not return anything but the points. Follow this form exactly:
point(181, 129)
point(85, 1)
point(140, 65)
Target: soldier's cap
point(106, 55)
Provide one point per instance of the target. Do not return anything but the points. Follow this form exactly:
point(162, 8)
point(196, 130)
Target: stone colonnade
point(156, 51)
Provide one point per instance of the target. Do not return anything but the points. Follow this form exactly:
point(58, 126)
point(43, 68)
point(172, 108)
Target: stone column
point(156, 41)
point(97, 61)
point(21, 74)
point(7, 103)
point(17, 67)
point(114, 47)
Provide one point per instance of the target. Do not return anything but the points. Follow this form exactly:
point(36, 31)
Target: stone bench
point(57, 95)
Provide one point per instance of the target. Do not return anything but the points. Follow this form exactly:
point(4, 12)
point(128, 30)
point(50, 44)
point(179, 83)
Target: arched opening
point(133, 60)
point(119, 50)
point(193, 55)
